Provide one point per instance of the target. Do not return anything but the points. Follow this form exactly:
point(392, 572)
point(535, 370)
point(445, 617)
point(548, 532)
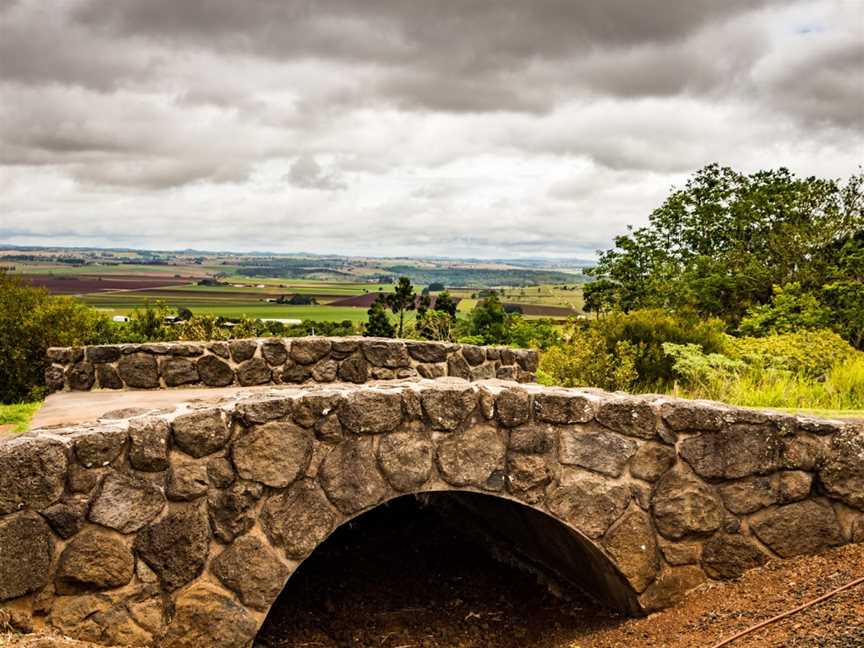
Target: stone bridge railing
point(273, 360)
point(181, 528)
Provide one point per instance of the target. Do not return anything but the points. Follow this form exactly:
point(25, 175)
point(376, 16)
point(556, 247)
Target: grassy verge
point(18, 415)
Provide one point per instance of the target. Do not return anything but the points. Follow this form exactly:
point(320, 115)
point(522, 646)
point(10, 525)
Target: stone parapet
point(262, 361)
point(181, 527)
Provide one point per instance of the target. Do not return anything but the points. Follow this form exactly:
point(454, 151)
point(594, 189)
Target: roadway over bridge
point(175, 517)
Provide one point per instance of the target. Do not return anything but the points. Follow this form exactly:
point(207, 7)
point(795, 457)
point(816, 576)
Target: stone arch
point(140, 528)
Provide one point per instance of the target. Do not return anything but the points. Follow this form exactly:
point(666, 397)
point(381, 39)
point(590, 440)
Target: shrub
point(809, 353)
point(31, 320)
point(583, 359)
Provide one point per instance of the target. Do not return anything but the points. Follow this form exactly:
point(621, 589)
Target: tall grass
point(18, 415)
point(842, 388)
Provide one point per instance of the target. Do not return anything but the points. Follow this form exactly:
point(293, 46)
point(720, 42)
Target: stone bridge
point(179, 524)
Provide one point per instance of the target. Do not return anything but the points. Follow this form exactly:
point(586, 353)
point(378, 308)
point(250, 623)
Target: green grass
point(18, 415)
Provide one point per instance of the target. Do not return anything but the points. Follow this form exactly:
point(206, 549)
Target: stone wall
point(181, 528)
point(277, 361)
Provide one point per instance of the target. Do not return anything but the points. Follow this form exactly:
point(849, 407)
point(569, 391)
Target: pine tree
point(379, 323)
point(402, 299)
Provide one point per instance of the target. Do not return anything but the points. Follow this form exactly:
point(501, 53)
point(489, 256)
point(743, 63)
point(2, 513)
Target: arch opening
point(448, 568)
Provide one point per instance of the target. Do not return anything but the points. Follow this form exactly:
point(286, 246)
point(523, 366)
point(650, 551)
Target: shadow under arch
point(534, 540)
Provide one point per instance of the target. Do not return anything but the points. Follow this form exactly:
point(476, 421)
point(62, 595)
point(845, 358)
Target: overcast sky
point(496, 128)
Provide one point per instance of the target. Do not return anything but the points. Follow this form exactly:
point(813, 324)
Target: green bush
point(647, 330)
point(583, 359)
point(809, 353)
point(31, 320)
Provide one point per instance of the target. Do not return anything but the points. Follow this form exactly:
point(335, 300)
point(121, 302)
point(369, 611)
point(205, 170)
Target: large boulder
point(730, 555)
point(633, 545)
point(405, 458)
point(126, 502)
point(205, 615)
point(448, 406)
point(214, 372)
point(32, 473)
point(274, 454)
point(628, 416)
point(589, 503)
point(371, 412)
point(474, 457)
point(563, 407)
point(148, 450)
point(26, 550)
point(298, 519)
point(842, 474)
point(595, 449)
point(201, 433)
point(176, 547)
point(739, 451)
point(139, 370)
point(683, 506)
point(94, 559)
point(253, 570)
point(349, 475)
point(806, 527)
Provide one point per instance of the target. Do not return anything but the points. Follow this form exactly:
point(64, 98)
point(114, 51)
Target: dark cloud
point(547, 125)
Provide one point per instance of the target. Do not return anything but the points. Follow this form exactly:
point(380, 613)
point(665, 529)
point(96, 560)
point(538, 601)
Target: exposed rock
point(371, 412)
point(683, 506)
point(176, 546)
point(354, 369)
point(633, 545)
point(298, 519)
point(474, 355)
point(429, 370)
point(531, 438)
point(99, 447)
point(252, 569)
point(513, 406)
point(483, 372)
point(148, 450)
point(527, 359)
point(96, 354)
point(795, 485)
point(220, 349)
point(274, 454)
point(232, 511)
point(681, 553)
point(201, 433)
point(311, 408)
point(449, 406)
point(64, 355)
point(80, 376)
point(67, 517)
point(83, 480)
point(526, 471)
point(628, 416)
point(457, 367)
point(739, 451)
point(728, 556)
point(406, 458)
point(187, 480)
point(749, 494)
point(343, 347)
point(588, 502)
point(253, 372)
point(563, 408)
point(242, 350)
point(295, 373)
point(595, 449)
point(214, 372)
point(671, 586)
point(803, 452)
point(76, 616)
point(350, 477)
point(55, 378)
point(26, 550)
point(505, 373)
point(651, 461)
point(427, 352)
point(806, 527)
point(274, 352)
point(474, 457)
point(108, 378)
point(178, 371)
point(309, 350)
point(206, 616)
point(220, 472)
point(139, 370)
point(843, 472)
point(125, 502)
point(94, 559)
point(386, 354)
point(263, 410)
point(694, 416)
point(325, 371)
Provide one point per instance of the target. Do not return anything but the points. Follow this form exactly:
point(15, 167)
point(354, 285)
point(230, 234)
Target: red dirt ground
point(86, 284)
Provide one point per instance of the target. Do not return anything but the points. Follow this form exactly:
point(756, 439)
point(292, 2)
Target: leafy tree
point(488, 321)
point(423, 304)
point(600, 296)
point(31, 320)
point(791, 309)
point(184, 313)
point(444, 303)
point(147, 324)
point(402, 299)
point(843, 293)
point(378, 324)
point(434, 325)
point(436, 286)
point(722, 242)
